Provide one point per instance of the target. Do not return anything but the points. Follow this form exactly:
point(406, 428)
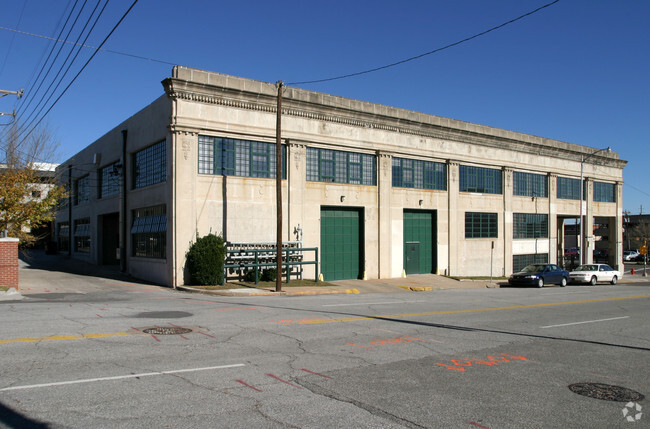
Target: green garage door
point(341, 238)
point(419, 227)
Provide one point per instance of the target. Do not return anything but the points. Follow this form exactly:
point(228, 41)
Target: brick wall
point(9, 262)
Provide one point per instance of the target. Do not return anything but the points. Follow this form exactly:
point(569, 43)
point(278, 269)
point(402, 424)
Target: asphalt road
point(479, 358)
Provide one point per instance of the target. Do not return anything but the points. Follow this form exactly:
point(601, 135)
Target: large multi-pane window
point(81, 190)
point(149, 232)
point(244, 158)
point(568, 189)
point(82, 235)
point(326, 165)
point(150, 165)
point(529, 184)
point(109, 181)
point(520, 261)
point(63, 236)
point(529, 225)
point(604, 192)
point(413, 173)
point(479, 179)
point(481, 225)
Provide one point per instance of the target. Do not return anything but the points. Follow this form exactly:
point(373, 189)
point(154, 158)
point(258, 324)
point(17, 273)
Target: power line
point(79, 73)
point(467, 39)
point(88, 46)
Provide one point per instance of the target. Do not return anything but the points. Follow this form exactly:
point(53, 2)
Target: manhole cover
point(606, 392)
point(176, 330)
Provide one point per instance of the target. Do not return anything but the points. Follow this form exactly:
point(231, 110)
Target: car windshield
point(533, 269)
point(587, 268)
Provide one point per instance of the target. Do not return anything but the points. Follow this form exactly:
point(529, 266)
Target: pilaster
point(507, 220)
point(384, 190)
point(456, 220)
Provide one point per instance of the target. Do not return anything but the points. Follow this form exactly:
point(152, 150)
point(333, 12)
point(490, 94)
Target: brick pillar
point(9, 262)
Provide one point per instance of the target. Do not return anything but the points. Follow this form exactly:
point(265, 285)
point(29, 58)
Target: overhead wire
point(467, 39)
point(79, 72)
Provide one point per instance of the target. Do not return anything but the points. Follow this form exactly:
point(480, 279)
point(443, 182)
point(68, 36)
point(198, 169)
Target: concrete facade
point(200, 103)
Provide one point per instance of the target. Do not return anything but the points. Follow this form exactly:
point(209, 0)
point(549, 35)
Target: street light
point(582, 236)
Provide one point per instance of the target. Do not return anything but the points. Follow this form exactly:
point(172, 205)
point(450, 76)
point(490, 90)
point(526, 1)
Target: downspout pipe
point(123, 223)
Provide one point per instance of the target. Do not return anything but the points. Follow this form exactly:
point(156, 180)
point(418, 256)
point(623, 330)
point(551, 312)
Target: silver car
point(594, 273)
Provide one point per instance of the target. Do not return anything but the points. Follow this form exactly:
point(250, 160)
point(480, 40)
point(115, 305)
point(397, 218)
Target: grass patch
point(264, 285)
point(3, 289)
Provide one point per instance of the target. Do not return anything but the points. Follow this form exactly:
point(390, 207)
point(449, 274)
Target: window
point(520, 261)
point(82, 235)
point(243, 158)
point(478, 179)
point(150, 165)
point(149, 232)
point(528, 225)
point(604, 192)
point(412, 173)
point(481, 225)
point(109, 181)
point(529, 184)
point(568, 189)
point(81, 191)
point(63, 236)
point(326, 165)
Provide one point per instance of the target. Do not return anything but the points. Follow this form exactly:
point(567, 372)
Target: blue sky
point(577, 71)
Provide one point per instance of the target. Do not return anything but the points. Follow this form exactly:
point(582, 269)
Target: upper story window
point(528, 225)
point(481, 225)
point(413, 173)
point(326, 165)
point(478, 179)
point(568, 189)
point(604, 192)
point(150, 165)
point(529, 184)
point(81, 191)
point(109, 181)
point(244, 158)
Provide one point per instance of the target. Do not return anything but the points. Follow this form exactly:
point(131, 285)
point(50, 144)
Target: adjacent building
point(380, 191)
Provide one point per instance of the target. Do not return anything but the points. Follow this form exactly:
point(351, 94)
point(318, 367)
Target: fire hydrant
point(632, 271)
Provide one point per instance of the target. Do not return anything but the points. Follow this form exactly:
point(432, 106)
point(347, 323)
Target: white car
point(630, 255)
point(593, 273)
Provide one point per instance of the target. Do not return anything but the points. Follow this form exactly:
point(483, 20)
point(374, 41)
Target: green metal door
point(341, 237)
point(419, 226)
point(412, 250)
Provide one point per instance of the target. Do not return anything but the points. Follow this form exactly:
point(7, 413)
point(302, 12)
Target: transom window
point(479, 179)
point(109, 181)
point(568, 189)
point(82, 191)
point(413, 173)
point(150, 165)
point(481, 225)
point(326, 165)
point(244, 158)
point(529, 184)
point(528, 225)
point(604, 192)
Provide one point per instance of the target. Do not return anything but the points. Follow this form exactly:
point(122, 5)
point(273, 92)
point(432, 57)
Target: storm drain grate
point(606, 392)
point(176, 330)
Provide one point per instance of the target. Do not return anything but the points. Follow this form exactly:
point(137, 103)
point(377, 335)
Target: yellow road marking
point(64, 337)
point(475, 310)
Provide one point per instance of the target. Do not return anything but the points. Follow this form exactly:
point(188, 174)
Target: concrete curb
point(265, 292)
point(11, 295)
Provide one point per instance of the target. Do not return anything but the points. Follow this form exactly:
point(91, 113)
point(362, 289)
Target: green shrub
point(205, 260)
point(268, 275)
point(249, 276)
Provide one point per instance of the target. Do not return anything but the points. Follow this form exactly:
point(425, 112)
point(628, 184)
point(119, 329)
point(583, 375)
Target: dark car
point(539, 275)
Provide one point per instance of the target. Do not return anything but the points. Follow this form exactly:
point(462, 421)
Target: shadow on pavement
point(13, 419)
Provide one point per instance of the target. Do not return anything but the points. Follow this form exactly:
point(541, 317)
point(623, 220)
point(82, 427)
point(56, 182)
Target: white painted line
point(587, 321)
point(119, 377)
point(368, 303)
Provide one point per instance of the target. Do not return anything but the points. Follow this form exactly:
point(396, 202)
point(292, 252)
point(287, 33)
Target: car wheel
point(614, 280)
point(540, 283)
point(593, 281)
point(563, 282)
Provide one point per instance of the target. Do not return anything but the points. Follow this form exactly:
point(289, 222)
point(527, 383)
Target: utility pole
point(4, 93)
point(278, 187)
